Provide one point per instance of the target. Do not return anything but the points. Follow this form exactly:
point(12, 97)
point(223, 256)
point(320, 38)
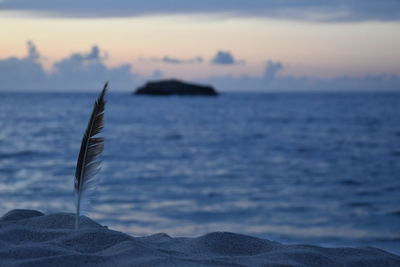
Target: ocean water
point(312, 168)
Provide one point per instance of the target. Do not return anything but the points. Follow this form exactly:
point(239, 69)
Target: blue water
point(322, 169)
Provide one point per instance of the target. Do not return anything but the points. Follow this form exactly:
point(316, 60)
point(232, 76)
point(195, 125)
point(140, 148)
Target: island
point(175, 87)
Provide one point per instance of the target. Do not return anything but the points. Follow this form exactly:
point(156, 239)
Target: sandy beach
point(31, 238)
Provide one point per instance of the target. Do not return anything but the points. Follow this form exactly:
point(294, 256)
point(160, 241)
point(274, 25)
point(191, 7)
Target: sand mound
point(30, 238)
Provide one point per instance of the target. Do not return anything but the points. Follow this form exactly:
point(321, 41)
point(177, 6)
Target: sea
point(297, 168)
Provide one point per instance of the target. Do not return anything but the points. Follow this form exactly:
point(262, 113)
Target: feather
point(88, 164)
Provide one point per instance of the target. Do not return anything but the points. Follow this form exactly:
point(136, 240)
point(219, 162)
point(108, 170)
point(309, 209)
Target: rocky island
point(175, 87)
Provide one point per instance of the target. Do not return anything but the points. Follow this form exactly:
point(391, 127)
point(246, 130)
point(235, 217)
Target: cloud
point(87, 71)
point(81, 62)
point(308, 10)
point(271, 82)
point(156, 75)
point(33, 53)
point(78, 72)
point(18, 72)
point(272, 69)
point(225, 58)
point(174, 60)
point(84, 70)
point(94, 54)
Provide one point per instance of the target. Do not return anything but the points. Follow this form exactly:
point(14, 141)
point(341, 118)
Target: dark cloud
point(309, 10)
point(174, 60)
point(225, 58)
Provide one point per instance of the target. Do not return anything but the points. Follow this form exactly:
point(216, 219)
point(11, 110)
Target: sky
point(234, 45)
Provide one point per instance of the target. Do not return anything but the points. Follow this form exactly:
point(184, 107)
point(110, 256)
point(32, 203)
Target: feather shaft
point(88, 165)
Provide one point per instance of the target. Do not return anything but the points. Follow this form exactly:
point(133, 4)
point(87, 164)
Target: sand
point(30, 238)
